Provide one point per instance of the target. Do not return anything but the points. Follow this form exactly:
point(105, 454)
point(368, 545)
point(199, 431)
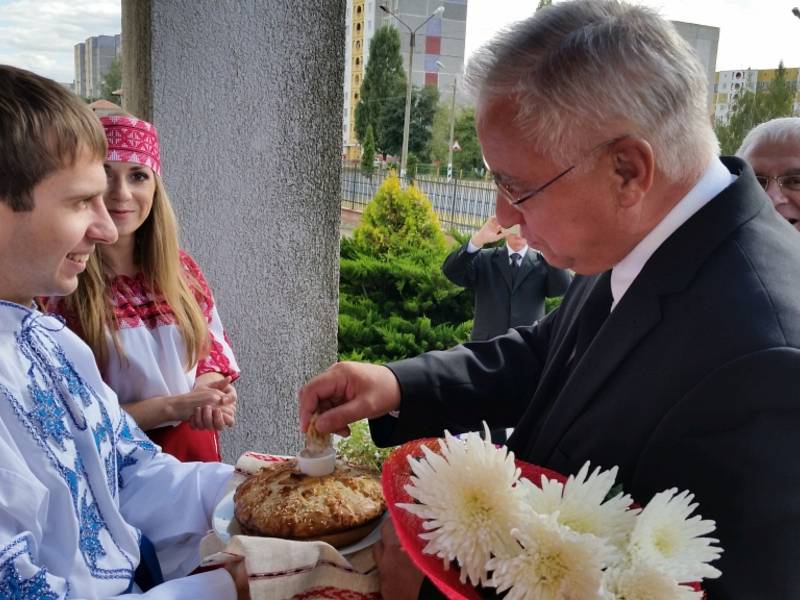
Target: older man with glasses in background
point(675, 355)
point(773, 150)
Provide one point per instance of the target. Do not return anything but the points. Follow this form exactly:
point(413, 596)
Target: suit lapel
point(525, 268)
point(669, 271)
point(502, 264)
point(625, 327)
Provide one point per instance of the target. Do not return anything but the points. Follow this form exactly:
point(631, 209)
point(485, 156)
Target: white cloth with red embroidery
point(293, 570)
point(155, 353)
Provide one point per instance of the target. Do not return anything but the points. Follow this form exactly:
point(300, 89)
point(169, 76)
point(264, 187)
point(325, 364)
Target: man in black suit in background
point(676, 356)
point(510, 282)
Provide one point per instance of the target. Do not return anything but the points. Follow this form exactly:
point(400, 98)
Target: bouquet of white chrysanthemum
point(535, 534)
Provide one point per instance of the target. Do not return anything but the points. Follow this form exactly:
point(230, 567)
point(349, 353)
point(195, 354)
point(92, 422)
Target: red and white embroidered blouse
point(155, 353)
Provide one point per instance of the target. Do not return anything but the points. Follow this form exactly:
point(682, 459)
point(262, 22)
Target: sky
point(754, 34)
point(40, 34)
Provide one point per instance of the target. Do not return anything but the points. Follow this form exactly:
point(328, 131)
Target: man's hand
point(489, 233)
point(400, 579)
point(348, 392)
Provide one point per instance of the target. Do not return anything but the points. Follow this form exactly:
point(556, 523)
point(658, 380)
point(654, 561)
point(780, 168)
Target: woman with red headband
point(145, 308)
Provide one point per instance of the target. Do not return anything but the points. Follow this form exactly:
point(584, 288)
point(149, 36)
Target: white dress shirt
point(715, 178)
point(472, 249)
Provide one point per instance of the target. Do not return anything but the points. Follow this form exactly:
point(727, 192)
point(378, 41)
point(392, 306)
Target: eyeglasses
point(786, 183)
point(517, 200)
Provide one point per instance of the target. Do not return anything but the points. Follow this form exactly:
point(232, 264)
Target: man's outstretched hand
point(348, 392)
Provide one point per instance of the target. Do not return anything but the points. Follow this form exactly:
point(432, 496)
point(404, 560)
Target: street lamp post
point(452, 126)
point(407, 120)
point(452, 131)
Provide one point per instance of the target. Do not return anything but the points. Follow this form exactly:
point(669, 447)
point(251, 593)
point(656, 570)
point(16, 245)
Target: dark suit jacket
point(692, 382)
point(499, 305)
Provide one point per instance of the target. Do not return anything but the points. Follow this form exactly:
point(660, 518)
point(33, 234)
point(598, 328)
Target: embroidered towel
point(289, 569)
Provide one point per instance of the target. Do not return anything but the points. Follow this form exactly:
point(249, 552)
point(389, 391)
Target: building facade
point(704, 39)
point(438, 49)
point(79, 85)
point(728, 85)
point(93, 59)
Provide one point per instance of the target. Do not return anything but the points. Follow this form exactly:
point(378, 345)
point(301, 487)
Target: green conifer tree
point(384, 82)
point(394, 301)
point(368, 153)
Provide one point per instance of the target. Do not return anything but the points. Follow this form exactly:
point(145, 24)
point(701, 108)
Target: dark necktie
point(594, 313)
point(514, 265)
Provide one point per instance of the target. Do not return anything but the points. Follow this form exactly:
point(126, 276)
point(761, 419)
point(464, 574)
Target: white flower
point(644, 582)
point(555, 564)
point(468, 501)
point(666, 538)
point(580, 504)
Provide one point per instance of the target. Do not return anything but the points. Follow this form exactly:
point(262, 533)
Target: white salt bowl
point(317, 466)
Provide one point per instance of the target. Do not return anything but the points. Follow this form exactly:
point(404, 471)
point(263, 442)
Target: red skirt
point(187, 444)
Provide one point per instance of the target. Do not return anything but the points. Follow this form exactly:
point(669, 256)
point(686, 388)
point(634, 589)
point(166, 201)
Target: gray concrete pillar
point(247, 98)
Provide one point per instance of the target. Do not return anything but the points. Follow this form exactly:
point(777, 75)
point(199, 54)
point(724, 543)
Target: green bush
point(359, 449)
point(398, 222)
point(394, 301)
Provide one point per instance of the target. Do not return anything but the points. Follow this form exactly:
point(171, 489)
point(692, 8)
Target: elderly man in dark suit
point(510, 282)
point(677, 354)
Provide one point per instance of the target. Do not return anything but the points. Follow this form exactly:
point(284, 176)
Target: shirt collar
point(715, 178)
point(522, 252)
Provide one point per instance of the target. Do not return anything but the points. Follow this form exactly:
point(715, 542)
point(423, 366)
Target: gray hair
point(777, 131)
point(601, 68)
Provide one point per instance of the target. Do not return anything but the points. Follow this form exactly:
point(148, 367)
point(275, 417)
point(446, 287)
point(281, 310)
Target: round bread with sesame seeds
point(280, 501)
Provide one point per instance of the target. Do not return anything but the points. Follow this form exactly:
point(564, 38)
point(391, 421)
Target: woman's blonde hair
point(157, 254)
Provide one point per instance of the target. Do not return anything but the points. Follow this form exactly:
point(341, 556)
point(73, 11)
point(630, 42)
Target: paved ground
point(350, 219)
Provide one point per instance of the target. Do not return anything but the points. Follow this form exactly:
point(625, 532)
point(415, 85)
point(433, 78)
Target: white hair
point(785, 130)
point(592, 70)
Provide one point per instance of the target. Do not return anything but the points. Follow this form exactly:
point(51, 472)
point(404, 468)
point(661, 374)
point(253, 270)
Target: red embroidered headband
point(132, 140)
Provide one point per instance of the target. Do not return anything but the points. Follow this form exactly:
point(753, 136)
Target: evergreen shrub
point(394, 301)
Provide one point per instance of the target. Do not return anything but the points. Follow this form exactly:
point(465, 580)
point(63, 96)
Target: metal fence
point(460, 204)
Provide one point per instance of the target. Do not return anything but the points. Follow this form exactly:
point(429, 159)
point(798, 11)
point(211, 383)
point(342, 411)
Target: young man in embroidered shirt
point(80, 485)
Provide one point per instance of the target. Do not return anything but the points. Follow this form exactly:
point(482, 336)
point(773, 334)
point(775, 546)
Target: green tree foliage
point(394, 301)
point(359, 449)
point(368, 153)
point(469, 159)
point(382, 100)
point(423, 109)
point(412, 164)
point(753, 108)
point(112, 81)
point(543, 3)
point(440, 134)
point(398, 222)
point(384, 84)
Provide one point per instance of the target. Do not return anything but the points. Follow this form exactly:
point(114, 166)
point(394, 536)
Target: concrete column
point(247, 98)
point(137, 85)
